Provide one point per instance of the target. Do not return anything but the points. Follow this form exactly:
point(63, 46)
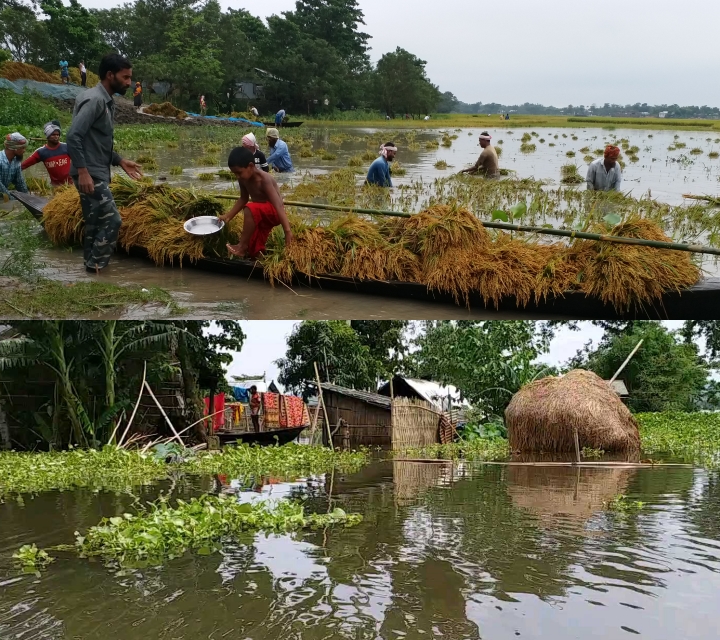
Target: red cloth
point(219, 405)
point(56, 161)
point(295, 411)
point(265, 218)
point(271, 409)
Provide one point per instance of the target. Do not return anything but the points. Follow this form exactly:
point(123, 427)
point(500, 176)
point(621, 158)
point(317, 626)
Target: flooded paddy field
point(661, 166)
point(459, 551)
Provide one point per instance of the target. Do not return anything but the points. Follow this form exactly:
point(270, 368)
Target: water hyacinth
point(159, 532)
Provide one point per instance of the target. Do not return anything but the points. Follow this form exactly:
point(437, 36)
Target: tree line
point(313, 60)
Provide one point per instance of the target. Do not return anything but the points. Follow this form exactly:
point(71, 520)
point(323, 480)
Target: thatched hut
point(544, 415)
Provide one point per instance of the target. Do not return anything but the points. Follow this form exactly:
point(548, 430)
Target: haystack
point(543, 415)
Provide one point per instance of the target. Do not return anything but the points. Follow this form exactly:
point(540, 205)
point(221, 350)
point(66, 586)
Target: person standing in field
point(604, 174)
point(250, 143)
point(279, 117)
point(379, 171)
point(203, 106)
point(137, 96)
point(83, 74)
point(64, 72)
point(261, 203)
point(90, 146)
point(254, 111)
point(279, 158)
point(11, 165)
point(487, 163)
point(255, 408)
point(54, 155)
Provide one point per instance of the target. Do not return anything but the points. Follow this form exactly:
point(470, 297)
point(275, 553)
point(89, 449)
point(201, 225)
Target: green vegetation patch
point(159, 532)
point(692, 436)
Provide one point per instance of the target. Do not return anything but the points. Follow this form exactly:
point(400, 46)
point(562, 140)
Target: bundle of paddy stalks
point(20, 71)
point(153, 217)
point(167, 110)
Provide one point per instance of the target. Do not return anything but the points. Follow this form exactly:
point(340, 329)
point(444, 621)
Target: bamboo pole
point(159, 406)
point(624, 364)
point(137, 404)
point(656, 244)
point(322, 401)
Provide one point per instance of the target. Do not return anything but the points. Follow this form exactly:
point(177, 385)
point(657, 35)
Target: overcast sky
point(560, 52)
point(267, 341)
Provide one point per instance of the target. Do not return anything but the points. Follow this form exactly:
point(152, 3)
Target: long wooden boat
point(264, 438)
point(284, 125)
point(700, 302)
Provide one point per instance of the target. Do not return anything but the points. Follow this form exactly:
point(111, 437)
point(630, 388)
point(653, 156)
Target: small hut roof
point(433, 392)
point(544, 415)
point(365, 396)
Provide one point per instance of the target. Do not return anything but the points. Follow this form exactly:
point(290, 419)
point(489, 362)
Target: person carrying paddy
point(604, 174)
point(487, 164)
point(379, 171)
point(54, 155)
point(261, 204)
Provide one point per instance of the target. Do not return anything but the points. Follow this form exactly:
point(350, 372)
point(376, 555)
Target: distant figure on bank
point(11, 165)
point(279, 158)
point(487, 164)
point(255, 408)
point(426, 117)
point(279, 117)
point(90, 146)
point(64, 72)
point(507, 116)
point(83, 73)
point(137, 96)
point(604, 174)
point(261, 204)
point(203, 106)
point(254, 111)
point(250, 143)
point(379, 171)
point(54, 155)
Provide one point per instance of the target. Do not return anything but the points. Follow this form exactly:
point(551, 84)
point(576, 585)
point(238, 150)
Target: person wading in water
point(487, 163)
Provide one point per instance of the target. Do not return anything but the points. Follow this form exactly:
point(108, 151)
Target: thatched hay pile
point(153, 217)
point(167, 110)
point(543, 415)
point(20, 71)
point(549, 492)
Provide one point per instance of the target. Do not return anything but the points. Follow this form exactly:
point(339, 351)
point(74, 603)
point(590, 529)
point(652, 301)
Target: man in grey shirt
point(90, 146)
point(604, 174)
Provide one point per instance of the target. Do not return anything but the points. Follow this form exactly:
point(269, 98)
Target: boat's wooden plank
point(595, 465)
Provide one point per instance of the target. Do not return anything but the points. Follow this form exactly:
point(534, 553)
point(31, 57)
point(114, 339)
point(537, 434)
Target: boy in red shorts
point(261, 204)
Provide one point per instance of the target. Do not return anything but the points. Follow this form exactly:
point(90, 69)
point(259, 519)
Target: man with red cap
point(604, 174)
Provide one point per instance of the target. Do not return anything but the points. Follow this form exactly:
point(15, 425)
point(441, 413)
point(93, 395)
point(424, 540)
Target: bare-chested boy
point(261, 204)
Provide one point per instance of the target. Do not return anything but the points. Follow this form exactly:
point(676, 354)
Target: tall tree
point(339, 352)
point(74, 32)
point(22, 34)
point(487, 361)
point(402, 86)
point(665, 373)
point(386, 341)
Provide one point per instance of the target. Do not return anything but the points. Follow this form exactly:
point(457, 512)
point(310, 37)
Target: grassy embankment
point(459, 120)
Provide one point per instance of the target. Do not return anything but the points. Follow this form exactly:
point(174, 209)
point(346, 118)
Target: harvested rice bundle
point(509, 267)
point(62, 217)
point(314, 251)
point(448, 273)
point(278, 260)
point(361, 247)
point(630, 276)
point(21, 71)
point(167, 110)
point(170, 242)
point(562, 270)
point(401, 264)
point(441, 228)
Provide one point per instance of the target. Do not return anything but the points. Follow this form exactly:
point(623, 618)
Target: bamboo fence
point(414, 423)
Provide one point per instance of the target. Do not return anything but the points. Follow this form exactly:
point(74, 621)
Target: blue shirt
point(11, 173)
point(279, 158)
point(379, 173)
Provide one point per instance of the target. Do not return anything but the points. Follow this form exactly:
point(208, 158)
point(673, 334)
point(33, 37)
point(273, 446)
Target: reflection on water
point(452, 551)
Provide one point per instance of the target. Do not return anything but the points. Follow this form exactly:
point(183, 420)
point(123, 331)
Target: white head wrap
point(15, 141)
point(384, 150)
point(249, 142)
point(50, 128)
point(485, 136)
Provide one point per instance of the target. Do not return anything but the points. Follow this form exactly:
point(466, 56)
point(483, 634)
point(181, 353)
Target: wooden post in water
point(392, 408)
point(321, 399)
point(577, 445)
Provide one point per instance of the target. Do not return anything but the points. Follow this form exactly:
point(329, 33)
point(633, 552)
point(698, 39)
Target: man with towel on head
point(261, 203)
point(11, 165)
point(604, 174)
point(54, 155)
point(379, 171)
point(250, 143)
point(279, 158)
point(487, 163)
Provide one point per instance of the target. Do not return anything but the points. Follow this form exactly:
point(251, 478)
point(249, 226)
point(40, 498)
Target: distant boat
point(284, 125)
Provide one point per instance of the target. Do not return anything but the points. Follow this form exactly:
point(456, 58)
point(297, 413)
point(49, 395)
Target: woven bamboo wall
point(369, 425)
point(415, 423)
point(411, 479)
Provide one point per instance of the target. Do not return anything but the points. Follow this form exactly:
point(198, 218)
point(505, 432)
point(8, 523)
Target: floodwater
point(666, 175)
point(445, 551)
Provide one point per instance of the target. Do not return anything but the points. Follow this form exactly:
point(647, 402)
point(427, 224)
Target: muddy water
point(667, 175)
point(454, 552)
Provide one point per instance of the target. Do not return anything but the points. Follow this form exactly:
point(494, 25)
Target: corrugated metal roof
point(434, 392)
point(364, 396)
